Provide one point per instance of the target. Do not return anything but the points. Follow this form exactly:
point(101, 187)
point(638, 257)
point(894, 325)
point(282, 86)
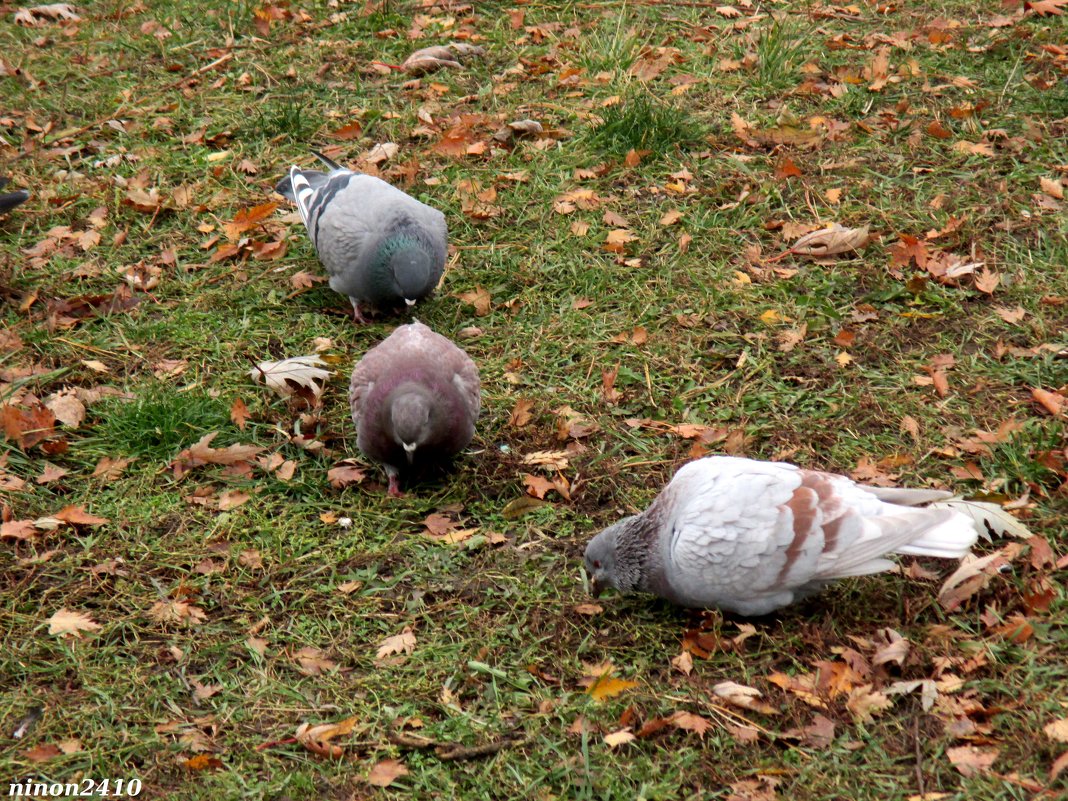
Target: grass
point(225, 627)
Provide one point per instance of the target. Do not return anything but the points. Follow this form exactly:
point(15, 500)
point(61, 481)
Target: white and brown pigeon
point(380, 246)
point(750, 537)
point(415, 399)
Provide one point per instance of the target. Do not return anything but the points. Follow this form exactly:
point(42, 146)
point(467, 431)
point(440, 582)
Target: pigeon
point(414, 399)
point(8, 200)
point(750, 537)
point(380, 246)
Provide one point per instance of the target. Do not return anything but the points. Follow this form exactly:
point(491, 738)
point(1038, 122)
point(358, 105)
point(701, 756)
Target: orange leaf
point(1052, 402)
point(608, 687)
point(77, 516)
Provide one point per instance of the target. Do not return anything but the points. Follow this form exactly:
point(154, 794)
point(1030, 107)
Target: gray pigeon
point(380, 246)
point(414, 399)
point(751, 537)
point(8, 200)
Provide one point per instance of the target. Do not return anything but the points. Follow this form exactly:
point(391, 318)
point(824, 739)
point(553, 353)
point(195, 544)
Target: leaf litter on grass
point(898, 362)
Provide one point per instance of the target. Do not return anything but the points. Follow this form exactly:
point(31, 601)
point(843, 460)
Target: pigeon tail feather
point(327, 161)
point(926, 532)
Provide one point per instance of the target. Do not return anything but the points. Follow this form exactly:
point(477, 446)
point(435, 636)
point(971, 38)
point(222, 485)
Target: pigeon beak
point(410, 302)
point(409, 450)
point(595, 588)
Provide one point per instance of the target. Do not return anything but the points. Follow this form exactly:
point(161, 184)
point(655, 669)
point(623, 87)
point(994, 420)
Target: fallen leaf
point(40, 753)
point(403, 643)
point(606, 686)
point(295, 375)
point(39, 15)
point(864, 703)
point(77, 516)
point(203, 454)
point(51, 473)
point(618, 738)
point(742, 696)
point(232, 499)
point(986, 281)
point(67, 408)
point(182, 612)
point(17, 530)
point(386, 772)
point(521, 415)
point(479, 298)
point(688, 721)
point(1052, 402)
point(345, 474)
point(1053, 188)
point(970, 760)
point(1057, 730)
point(65, 621)
point(430, 59)
point(831, 241)
point(239, 413)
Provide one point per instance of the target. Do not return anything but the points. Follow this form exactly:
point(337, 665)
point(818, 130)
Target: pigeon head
point(611, 561)
point(410, 416)
point(413, 271)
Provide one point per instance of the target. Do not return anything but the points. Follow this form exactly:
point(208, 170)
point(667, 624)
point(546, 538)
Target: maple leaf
point(344, 474)
point(688, 721)
point(864, 703)
point(65, 622)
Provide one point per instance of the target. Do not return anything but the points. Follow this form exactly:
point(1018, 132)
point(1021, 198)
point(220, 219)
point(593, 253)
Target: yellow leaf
point(608, 687)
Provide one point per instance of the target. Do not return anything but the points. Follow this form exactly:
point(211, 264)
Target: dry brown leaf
point(1052, 402)
point(403, 643)
point(742, 696)
point(1052, 187)
point(77, 516)
point(986, 281)
point(387, 771)
point(67, 408)
point(203, 454)
point(521, 415)
point(864, 703)
point(176, 612)
point(239, 413)
point(109, 468)
point(479, 298)
point(831, 241)
point(970, 760)
point(40, 753)
point(313, 662)
point(65, 622)
point(17, 530)
point(39, 15)
point(1057, 730)
point(344, 474)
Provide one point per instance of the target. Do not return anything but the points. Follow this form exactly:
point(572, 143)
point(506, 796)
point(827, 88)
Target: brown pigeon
point(415, 399)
